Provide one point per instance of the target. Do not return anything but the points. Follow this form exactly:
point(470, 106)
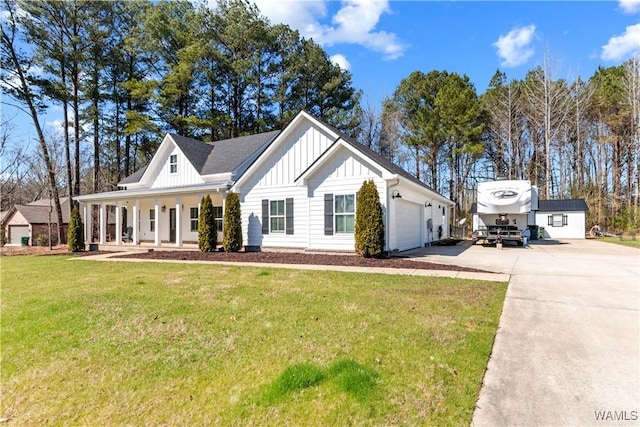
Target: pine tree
point(369, 227)
point(232, 224)
point(207, 232)
point(75, 236)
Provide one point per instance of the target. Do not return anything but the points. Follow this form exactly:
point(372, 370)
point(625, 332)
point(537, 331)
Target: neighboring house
point(297, 189)
point(32, 220)
point(563, 219)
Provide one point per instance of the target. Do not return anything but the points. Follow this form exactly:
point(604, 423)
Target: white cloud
point(619, 47)
point(299, 15)
point(341, 61)
point(354, 23)
point(629, 6)
point(515, 48)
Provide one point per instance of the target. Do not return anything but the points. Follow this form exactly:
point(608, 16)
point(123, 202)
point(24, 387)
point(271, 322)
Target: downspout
point(388, 216)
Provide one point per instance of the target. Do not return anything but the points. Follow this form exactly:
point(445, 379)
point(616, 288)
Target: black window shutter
point(550, 220)
point(328, 214)
point(565, 220)
point(289, 215)
point(265, 216)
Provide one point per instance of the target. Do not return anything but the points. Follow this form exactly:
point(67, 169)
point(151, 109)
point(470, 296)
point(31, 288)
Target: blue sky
point(381, 42)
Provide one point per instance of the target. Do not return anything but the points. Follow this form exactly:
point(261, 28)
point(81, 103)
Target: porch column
point(135, 221)
point(178, 221)
point(118, 224)
point(103, 224)
point(87, 223)
point(156, 230)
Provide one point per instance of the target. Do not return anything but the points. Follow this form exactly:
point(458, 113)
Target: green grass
point(632, 242)
point(90, 343)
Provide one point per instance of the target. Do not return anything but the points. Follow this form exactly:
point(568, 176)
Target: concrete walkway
point(568, 348)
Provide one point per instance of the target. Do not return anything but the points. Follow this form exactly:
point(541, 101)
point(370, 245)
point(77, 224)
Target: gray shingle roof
point(38, 212)
point(214, 157)
point(196, 151)
point(134, 177)
point(567, 205)
point(228, 154)
point(380, 159)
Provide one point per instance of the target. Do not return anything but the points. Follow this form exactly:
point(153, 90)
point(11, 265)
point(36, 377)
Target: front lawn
point(103, 343)
point(630, 241)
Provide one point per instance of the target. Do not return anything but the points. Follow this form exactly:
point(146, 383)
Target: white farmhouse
point(297, 189)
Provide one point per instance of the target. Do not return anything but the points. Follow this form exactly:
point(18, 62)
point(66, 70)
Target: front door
point(172, 225)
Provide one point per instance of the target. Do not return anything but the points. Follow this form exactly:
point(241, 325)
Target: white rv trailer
point(503, 211)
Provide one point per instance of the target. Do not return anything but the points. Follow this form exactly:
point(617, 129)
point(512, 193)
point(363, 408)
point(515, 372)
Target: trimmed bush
point(75, 235)
point(42, 240)
point(207, 233)
point(369, 227)
point(232, 224)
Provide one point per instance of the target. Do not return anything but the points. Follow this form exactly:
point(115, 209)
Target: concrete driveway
point(567, 351)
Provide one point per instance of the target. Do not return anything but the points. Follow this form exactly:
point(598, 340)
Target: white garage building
point(562, 219)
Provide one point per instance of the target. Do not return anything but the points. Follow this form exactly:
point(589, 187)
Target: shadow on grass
point(347, 375)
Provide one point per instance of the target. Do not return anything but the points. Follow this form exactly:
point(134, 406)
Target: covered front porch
point(150, 218)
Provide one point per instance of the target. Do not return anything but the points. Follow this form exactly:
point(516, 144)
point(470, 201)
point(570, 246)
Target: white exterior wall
point(252, 218)
point(342, 175)
point(433, 212)
point(575, 228)
point(185, 175)
point(274, 180)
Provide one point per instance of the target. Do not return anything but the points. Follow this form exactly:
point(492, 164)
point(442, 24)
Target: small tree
point(232, 224)
point(75, 235)
point(207, 233)
point(369, 227)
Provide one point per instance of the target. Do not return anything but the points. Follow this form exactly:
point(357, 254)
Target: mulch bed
point(299, 258)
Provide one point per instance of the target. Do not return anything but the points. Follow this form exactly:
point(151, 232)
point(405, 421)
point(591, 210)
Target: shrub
point(42, 240)
point(207, 233)
point(3, 240)
point(369, 227)
point(232, 224)
point(75, 235)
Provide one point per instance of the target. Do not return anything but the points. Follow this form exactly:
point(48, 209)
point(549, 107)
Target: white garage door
point(17, 232)
point(408, 225)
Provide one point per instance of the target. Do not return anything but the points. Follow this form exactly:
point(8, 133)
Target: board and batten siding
point(275, 179)
point(342, 175)
point(186, 174)
point(252, 218)
point(293, 157)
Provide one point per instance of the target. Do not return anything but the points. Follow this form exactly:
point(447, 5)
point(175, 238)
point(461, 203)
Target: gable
point(174, 174)
point(341, 164)
point(159, 173)
point(289, 155)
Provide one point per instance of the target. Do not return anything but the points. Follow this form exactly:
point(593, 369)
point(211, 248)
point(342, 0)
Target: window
point(217, 215)
point(557, 220)
point(173, 163)
point(344, 213)
point(152, 220)
point(194, 218)
point(276, 216)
